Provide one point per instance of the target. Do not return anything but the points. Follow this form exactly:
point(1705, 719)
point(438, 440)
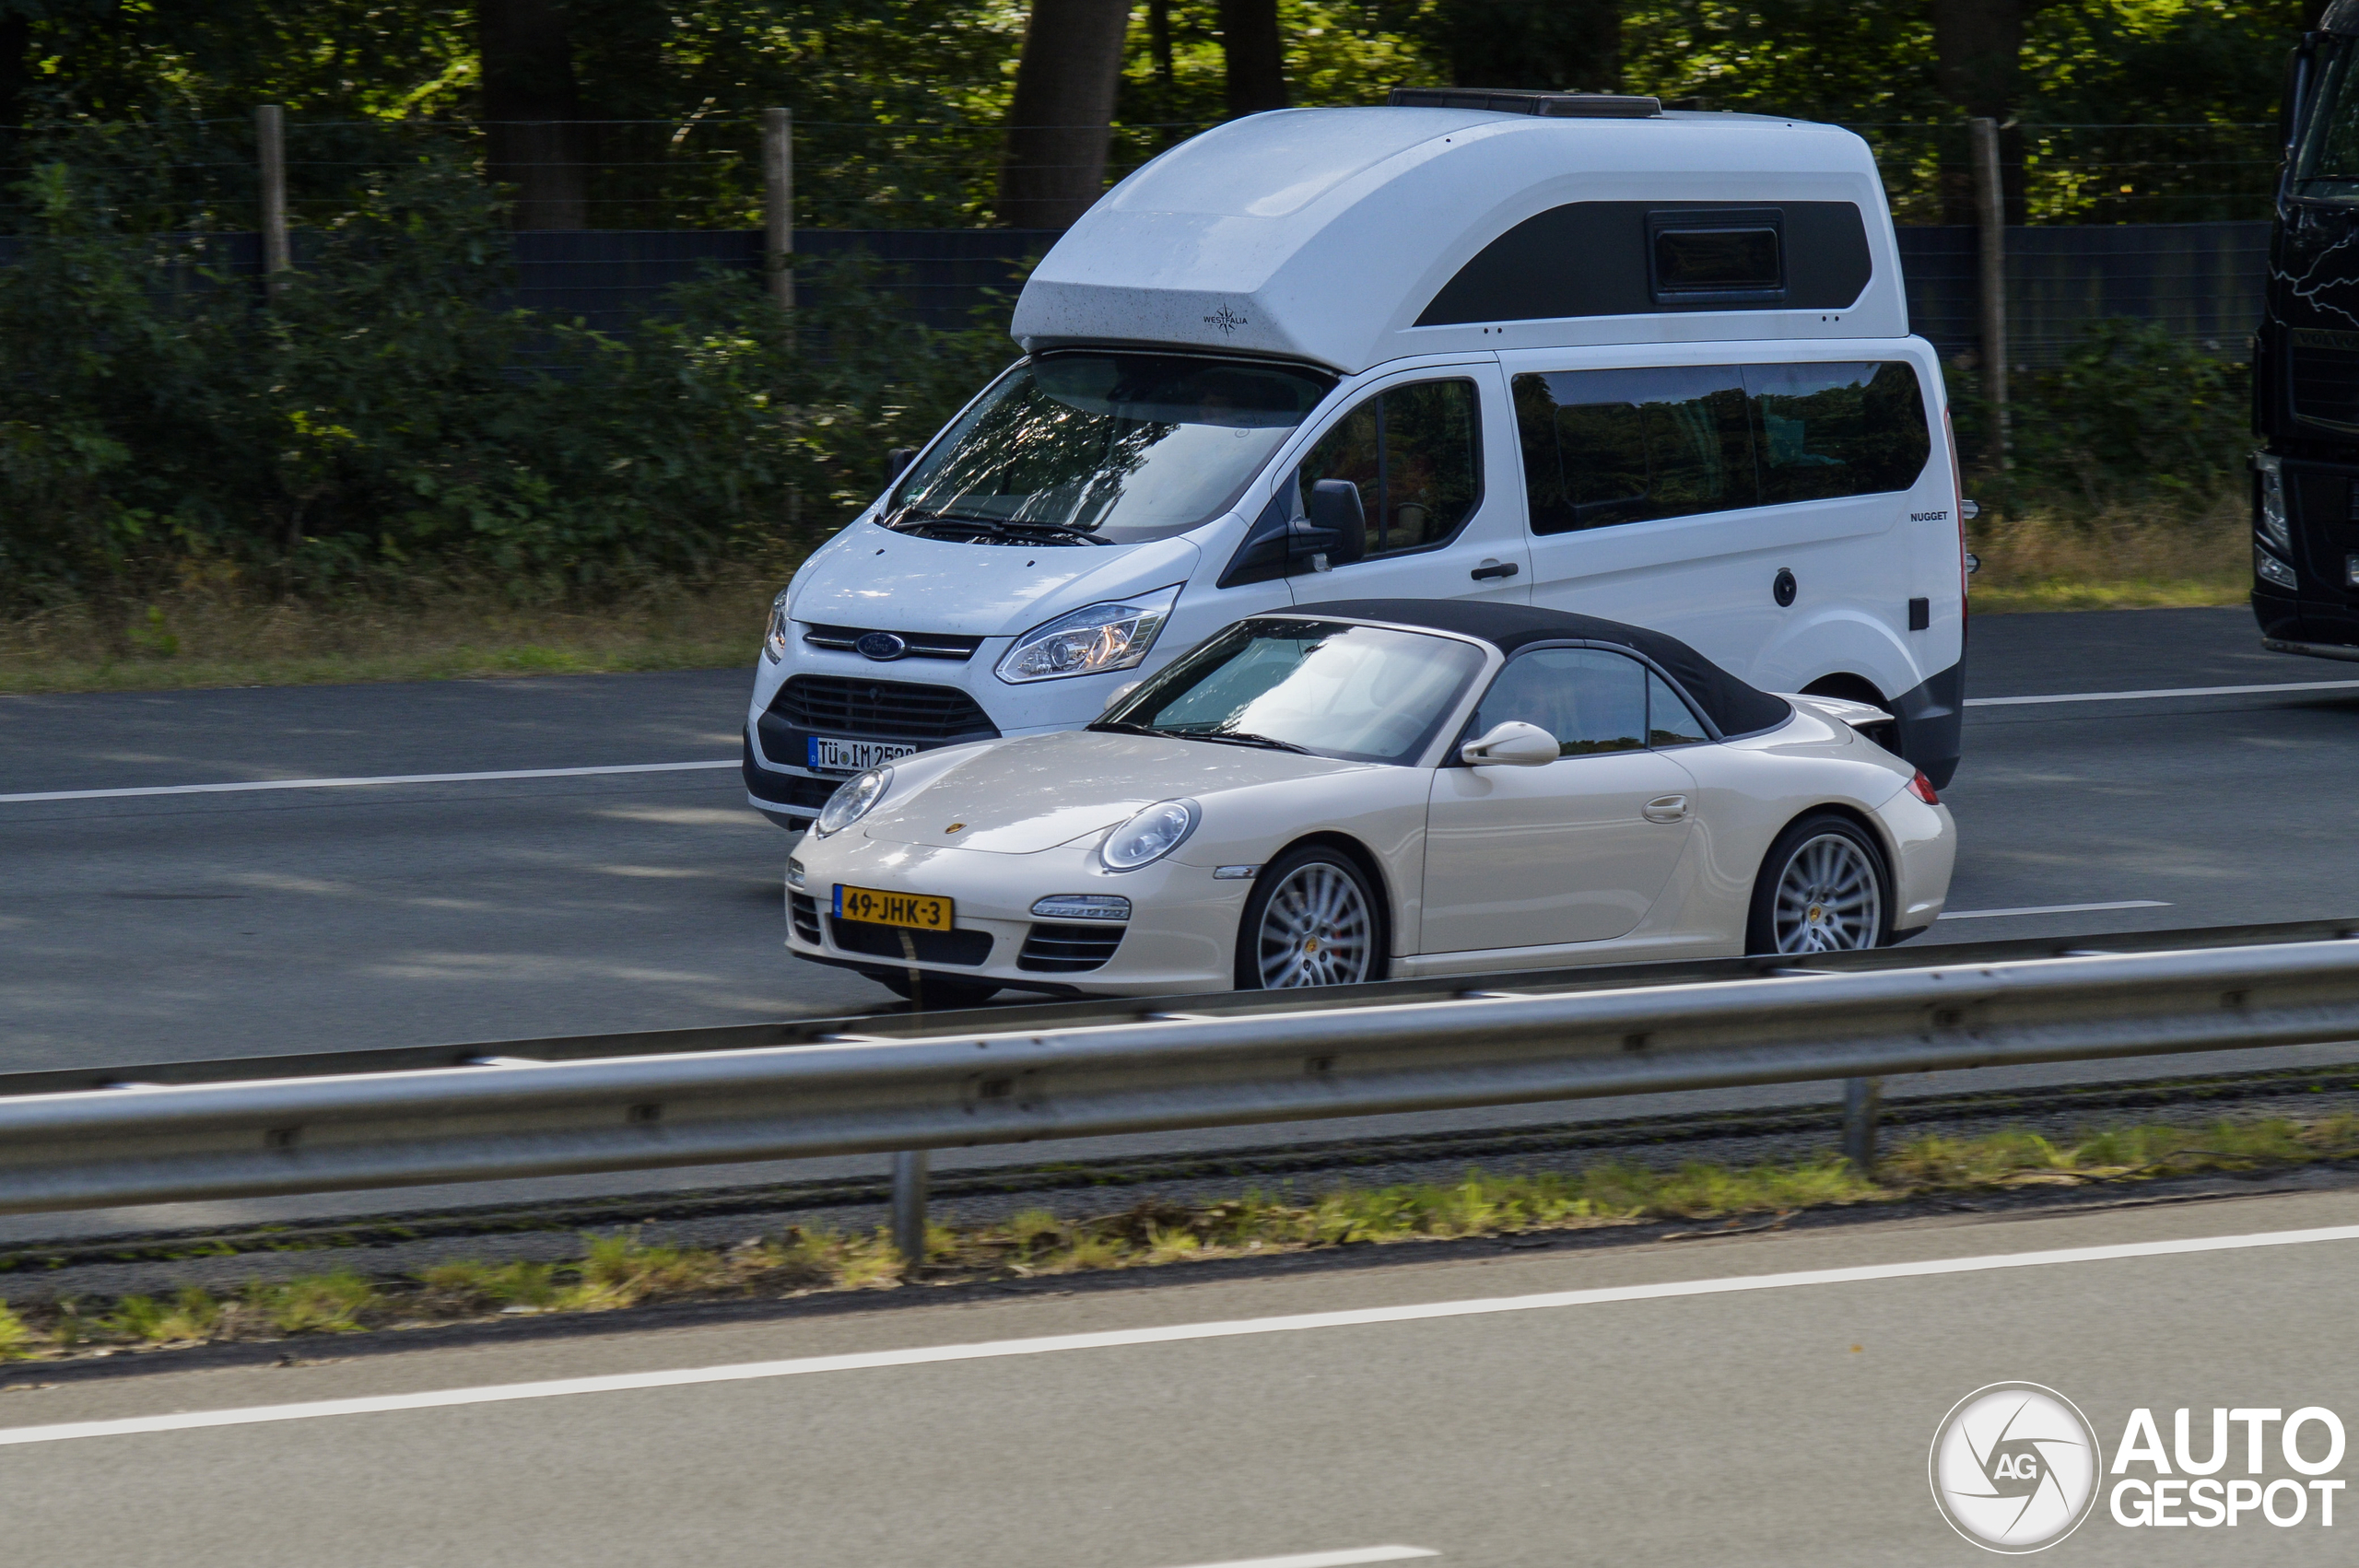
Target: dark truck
point(2306, 360)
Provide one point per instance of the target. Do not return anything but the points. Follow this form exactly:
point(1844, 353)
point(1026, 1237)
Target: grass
point(213, 630)
point(620, 1270)
point(215, 633)
point(2121, 558)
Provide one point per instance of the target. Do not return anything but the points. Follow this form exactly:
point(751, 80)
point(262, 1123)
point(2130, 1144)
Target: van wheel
point(935, 993)
point(1313, 919)
point(1823, 888)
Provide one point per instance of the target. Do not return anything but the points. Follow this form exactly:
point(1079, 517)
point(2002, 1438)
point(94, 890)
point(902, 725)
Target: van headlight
point(1149, 835)
point(852, 800)
point(1112, 635)
point(774, 635)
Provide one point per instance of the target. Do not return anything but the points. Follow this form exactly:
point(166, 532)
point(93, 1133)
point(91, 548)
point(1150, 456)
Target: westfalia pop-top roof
point(1351, 236)
point(1734, 707)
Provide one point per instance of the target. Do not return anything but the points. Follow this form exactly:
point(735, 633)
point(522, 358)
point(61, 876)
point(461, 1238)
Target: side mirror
point(1512, 744)
point(1125, 689)
point(896, 462)
point(1335, 534)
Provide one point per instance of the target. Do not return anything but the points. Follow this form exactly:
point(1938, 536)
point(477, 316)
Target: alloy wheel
point(1828, 897)
point(1316, 929)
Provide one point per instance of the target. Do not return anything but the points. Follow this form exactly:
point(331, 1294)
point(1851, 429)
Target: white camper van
point(1563, 350)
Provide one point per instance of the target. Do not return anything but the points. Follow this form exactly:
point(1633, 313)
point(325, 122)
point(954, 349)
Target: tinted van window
point(1603, 446)
point(1829, 430)
point(1607, 447)
point(1415, 452)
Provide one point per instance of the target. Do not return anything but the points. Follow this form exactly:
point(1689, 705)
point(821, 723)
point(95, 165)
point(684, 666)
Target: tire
point(1823, 888)
point(1314, 920)
point(934, 994)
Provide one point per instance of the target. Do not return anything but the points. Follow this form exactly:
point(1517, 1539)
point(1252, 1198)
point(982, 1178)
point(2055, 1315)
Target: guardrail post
point(270, 147)
point(1862, 1100)
point(909, 1209)
point(778, 205)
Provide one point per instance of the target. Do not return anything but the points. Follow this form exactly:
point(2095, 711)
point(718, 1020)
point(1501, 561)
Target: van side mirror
point(896, 462)
point(1512, 744)
point(1336, 528)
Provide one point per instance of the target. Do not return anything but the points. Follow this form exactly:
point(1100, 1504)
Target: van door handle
point(1666, 808)
point(1493, 568)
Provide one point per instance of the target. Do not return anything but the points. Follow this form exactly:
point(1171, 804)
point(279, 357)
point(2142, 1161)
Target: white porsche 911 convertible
point(1343, 792)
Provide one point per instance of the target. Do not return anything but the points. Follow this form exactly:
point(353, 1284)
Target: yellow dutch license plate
point(917, 910)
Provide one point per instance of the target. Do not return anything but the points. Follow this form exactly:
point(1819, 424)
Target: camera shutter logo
point(2014, 1468)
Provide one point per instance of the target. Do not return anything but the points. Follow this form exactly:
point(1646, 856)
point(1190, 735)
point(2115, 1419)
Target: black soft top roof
point(1735, 707)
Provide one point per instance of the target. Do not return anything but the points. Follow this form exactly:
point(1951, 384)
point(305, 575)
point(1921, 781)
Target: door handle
point(1666, 808)
point(1494, 569)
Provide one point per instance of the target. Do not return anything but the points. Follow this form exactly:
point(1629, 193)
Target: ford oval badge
point(880, 645)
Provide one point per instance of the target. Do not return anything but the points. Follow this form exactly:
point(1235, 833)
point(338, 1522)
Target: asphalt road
point(163, 926)
point(1716, 1410)
point(160, 927)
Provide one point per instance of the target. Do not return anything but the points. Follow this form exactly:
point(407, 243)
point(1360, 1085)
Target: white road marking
point(2052, 909)
point(1331, 1559)
point(358, 783)
point(188, 1421)
point(2171, 691)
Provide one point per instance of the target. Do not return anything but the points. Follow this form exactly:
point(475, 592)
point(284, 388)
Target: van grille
point(848, 706)
point(872, 940)
point(917, 645)
point(1068, 950)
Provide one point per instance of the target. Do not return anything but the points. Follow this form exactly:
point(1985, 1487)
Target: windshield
point(1118, 448)
point(2326, 163)
point(1363, 693)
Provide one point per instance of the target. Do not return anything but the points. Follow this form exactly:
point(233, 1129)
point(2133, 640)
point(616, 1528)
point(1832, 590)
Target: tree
point(531, 109)
point(1562, 45)
point(1060, 122)
point(1255, 57)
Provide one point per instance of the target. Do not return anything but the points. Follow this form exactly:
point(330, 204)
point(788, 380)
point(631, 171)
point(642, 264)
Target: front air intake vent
point(838, 704)
point(1068, 950)
point(1549, 105)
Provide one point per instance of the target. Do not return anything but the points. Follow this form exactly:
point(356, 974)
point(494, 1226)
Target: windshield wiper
point(913, 523)
point(1232, 737)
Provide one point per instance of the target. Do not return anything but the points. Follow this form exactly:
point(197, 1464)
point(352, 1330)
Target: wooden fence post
point(1991, 203)
point(778, 205)
point(270, 142)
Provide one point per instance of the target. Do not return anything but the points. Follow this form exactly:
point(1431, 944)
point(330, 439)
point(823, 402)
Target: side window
point(1670, 721)
point(1416, 453)
point(1590, 699)
point(1605, 447)
point(1830, 430)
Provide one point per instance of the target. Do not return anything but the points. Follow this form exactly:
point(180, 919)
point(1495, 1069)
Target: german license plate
point(918, 911)
point(829, 753)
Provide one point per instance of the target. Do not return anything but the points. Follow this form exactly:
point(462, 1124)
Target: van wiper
point(991, 528)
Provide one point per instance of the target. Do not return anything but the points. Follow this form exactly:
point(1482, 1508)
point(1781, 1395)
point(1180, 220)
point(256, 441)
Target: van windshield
point(2326, 160)
point(1103, 448)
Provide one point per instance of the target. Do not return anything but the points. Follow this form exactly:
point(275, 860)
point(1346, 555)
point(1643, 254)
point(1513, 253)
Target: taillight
point(1922, 788)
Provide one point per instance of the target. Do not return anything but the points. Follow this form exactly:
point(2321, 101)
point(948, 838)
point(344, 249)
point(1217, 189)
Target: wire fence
point(705, 170)
point(2164, 223)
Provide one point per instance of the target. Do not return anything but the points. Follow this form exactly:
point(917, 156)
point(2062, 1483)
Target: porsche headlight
point(852, 799)
point(1149, 835)
point(1112, 635)
point(774, 635)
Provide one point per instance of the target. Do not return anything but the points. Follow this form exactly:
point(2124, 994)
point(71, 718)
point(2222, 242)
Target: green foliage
point(340, 1303)
point(387, 415)
point(2133, 414)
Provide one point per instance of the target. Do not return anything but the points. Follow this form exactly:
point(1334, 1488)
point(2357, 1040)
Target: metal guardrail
point(978, 1082)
